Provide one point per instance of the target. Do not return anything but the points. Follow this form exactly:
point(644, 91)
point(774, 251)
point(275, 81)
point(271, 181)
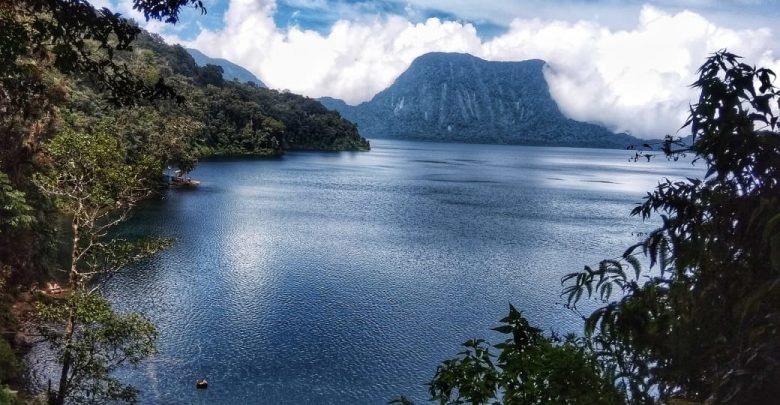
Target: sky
point(625, 64)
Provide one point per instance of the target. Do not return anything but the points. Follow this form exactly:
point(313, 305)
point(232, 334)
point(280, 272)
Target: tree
point(10, 367)
point(15, 212)
point(67, 29)
point(210, 75)
point(92, 182)
point(531, 368)
point(101, 341)
point(702, 323)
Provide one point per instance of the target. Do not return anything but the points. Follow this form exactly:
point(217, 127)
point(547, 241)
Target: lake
point(346, 278)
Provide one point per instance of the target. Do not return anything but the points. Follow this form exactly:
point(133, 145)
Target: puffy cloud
point(632, 79)
point(354, 61)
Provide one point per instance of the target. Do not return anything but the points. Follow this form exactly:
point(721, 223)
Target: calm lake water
point(347, 277)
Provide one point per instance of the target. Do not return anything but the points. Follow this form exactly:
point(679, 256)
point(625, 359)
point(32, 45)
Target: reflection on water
point(347, 277)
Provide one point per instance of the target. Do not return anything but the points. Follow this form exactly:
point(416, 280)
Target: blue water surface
point(345, 278)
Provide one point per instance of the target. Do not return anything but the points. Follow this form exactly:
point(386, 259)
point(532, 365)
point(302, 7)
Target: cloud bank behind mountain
point(629, 79)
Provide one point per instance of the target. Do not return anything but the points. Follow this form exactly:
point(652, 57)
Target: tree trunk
point(62, 390)
point(74, 252)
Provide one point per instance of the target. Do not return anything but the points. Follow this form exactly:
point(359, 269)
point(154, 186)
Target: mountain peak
point(230, 70)
point(446, 57)
point(456, 68)
point(457, 57)
point(459, 97)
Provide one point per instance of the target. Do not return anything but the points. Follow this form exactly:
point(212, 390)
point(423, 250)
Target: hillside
point(452, 97)
point(231, 71)
point(215, 116)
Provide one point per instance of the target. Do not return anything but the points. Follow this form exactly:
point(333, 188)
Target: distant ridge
point(231, 70)
point(455, 97)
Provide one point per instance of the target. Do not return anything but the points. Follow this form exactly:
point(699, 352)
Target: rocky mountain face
point(230, 70)
point(452, 97)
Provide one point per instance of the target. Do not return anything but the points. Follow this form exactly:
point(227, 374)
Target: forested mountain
point(231, 71)
point(214, 116)
point(458, 97)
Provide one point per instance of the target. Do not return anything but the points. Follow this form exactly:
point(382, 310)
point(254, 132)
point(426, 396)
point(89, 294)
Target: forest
point(217, 117)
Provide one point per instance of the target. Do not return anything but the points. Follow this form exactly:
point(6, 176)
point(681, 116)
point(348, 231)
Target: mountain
point(214, 116)
point(230, 70)
point(452, 97)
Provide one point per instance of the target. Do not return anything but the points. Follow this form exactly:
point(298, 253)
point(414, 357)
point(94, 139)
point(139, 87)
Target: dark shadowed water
point(347, 277)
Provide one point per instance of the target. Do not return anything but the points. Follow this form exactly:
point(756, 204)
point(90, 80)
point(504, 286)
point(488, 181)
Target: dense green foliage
point(706, 324)
point(222, 117)
point(10, 367)
point(93, 181)
point(72, 38)
point(101, 341)
point(6, 397)
point(530, 368)
point(92, 171)
point(44, 47)
point(15, 213)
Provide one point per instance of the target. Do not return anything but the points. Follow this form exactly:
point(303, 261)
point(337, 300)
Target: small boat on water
point(201, 384)
point(182, 180)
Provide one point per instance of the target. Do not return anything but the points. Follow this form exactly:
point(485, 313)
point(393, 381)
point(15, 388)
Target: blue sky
point(489, 18)
point(320, 15)
point(624, 64)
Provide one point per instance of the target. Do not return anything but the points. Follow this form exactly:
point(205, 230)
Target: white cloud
point(354, 61)
point(632, 79)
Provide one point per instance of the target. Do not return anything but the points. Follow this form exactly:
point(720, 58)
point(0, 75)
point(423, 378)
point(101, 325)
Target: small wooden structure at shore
point(55, 291)
point(182, 180)
point(185, 182)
